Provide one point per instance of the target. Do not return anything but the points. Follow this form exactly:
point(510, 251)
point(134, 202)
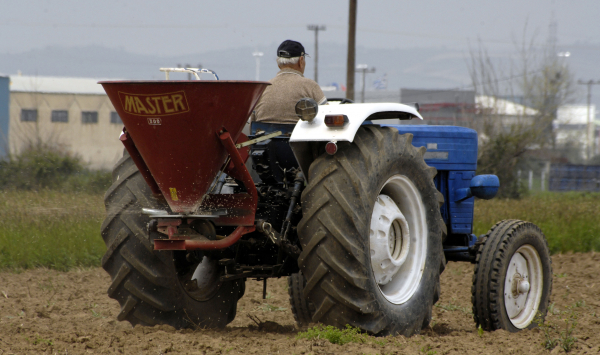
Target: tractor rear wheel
point(372, 235)
point(157, 287)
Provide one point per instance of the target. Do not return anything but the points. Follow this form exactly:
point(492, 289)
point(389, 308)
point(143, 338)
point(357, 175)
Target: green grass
point(50, 229)
point(61, 230)
point(570, 220)
point(334, 335)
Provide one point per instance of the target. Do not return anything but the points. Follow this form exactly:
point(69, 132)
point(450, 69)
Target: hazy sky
point(181, 27)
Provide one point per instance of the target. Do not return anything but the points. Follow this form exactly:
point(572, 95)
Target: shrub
point(42, 167)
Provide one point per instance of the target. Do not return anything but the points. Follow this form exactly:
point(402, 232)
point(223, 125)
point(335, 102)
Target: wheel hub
point(389, 239)
point(523, 286)
point(519, 285)
point(516, 275)
point(398, 239)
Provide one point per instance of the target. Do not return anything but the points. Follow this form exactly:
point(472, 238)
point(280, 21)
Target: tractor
point(359, 210)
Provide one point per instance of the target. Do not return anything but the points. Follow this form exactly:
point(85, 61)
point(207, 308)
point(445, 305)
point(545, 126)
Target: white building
point(71, 114)
point(576, 127)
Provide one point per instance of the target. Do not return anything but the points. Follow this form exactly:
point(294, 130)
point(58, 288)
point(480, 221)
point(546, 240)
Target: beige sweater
point(277, 103)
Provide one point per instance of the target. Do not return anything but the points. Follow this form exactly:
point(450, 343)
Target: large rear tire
point(374, 196)
point(150, 285)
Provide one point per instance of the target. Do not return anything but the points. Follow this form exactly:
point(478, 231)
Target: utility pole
point(316, 28)
point(257, 55)
point(590, 128)
point(351, 51)
point(364, 69)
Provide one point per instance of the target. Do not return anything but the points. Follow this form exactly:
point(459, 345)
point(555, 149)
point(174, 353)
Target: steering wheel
point(341, 100)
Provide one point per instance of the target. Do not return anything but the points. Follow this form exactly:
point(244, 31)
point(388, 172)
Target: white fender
point(305, 133)
point(316, 130)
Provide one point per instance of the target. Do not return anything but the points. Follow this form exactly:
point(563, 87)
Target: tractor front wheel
point(512, 280)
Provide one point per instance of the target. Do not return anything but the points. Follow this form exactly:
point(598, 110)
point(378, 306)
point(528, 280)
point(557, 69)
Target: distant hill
point(425, 68)
point(418, 67)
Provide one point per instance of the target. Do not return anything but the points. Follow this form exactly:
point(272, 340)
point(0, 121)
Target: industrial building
point(73, 115)
point(438, 107)
point(575, 126)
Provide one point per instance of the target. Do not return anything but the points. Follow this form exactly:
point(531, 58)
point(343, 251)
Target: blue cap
point(290, 49)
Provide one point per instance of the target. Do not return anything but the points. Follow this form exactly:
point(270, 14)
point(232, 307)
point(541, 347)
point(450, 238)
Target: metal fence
point(574, 178)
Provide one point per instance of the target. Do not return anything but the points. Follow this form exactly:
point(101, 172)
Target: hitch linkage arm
point(280, 239)
point(267, 229)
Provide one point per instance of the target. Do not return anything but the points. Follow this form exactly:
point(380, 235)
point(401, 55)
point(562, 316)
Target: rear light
point(336, 120)
point(331, 148)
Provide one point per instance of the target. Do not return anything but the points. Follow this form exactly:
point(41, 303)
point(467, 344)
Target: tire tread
point(491, 257)
point(333, 260)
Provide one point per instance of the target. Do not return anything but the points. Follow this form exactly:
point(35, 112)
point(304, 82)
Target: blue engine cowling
point(453, 152)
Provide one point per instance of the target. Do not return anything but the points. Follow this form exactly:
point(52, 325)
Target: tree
point(516, 112)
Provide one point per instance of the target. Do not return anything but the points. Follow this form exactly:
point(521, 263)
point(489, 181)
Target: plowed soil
point(45, 311)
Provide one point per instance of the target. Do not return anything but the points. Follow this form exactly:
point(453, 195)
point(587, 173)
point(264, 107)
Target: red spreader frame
point(180, 135)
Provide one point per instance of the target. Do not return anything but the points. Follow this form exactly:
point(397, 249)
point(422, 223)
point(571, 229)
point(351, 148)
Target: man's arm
point(318, 95)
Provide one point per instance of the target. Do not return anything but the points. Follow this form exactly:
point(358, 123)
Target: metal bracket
point(153, 213)
point(258, 272)
point(194, 71)
point(167, 244)
point(259, 139)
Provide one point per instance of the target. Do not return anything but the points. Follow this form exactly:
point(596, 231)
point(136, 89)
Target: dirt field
point(43, 311)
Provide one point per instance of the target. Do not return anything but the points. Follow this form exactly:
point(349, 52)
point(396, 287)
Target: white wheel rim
point(204, 282)
point(398, 239)
point(205, 273)
point(523, 286)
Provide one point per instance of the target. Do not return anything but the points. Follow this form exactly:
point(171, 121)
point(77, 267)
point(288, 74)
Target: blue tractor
point(360, 211)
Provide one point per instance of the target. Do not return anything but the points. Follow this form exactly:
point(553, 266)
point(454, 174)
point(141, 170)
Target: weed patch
point(335, 335)
point(39, 340)
point(480, 331)
point(271, 308)
point(428, 350)
point(561, 333)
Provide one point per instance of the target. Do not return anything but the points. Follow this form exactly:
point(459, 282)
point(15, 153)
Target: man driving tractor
point(276, 105)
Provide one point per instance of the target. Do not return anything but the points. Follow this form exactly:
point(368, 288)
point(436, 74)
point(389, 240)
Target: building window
point(115, 118)
point(89, 117)
point(59, 116)
point(29, 115)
